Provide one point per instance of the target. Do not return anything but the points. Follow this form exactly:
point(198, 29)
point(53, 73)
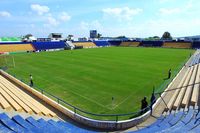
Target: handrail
point(59, 100)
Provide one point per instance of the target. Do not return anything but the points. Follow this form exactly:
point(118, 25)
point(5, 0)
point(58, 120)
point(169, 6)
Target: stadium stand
point(7, 47)
point(13, 97)
point(187, 91)
point(196, 44)
point(101, 43)
point(196, 60)
point(130, 44)
point(85, 44)
point(48, 45)
point(151, 43)
point(177, 44)
point(114, 43)
point(31, 125)
point(176, 122)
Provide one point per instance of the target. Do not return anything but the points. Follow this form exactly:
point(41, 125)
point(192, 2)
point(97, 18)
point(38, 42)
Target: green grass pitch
point(89, 78)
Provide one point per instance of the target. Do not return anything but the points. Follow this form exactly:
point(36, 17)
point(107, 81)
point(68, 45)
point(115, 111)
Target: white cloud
point(91, 25)
point(169, 11)
point(4, 14)
point(165, 11)
point(124, 13)
point(51, 22)
point(40, 9)
point(55, 21)
point(64, 16)
point(84, 25)
point(83, 28)
point(163, 1)
point(190, 5)
point(177, 27)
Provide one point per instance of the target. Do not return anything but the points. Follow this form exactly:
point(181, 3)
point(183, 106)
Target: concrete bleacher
point(177, 45)
point(85, 44)
point(31, 125)
point(14, 98)
point(185, 94)
point(16, 47)
point(195, 60)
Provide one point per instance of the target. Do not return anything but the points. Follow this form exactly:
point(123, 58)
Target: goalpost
point(7, 61)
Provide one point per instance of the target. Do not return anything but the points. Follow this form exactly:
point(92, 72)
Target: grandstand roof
point(10, 39)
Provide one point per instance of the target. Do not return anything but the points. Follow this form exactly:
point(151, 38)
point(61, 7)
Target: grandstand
point(16, 47)
point(130, 44)
point(21, 124)
point(23, 47)
point(114, 43)
point(48, 45)
point(177, 44)
point(176, 122)
point(14, 98)
point(84, 44)
point(196, 44)
point(151, 43)
point(101, 43)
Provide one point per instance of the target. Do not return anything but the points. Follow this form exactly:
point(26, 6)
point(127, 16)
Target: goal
point(7, 61)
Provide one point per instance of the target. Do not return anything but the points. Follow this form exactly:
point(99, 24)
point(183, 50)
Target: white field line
point(116, 105)
point(91, 100)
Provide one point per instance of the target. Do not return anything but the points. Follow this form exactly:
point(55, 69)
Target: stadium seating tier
point(16, 47)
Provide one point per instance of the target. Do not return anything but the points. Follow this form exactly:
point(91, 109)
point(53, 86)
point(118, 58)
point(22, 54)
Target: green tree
point(166, 36)
point(99, 35)
point(70, 37)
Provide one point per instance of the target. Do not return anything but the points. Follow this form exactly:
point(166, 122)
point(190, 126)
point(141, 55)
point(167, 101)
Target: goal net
point(7, 61)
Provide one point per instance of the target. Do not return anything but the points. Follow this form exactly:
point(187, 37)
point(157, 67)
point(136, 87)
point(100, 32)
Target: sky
point(132, 18)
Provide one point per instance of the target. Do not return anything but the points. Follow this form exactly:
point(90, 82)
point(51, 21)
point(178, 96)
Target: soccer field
point(89, 78)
